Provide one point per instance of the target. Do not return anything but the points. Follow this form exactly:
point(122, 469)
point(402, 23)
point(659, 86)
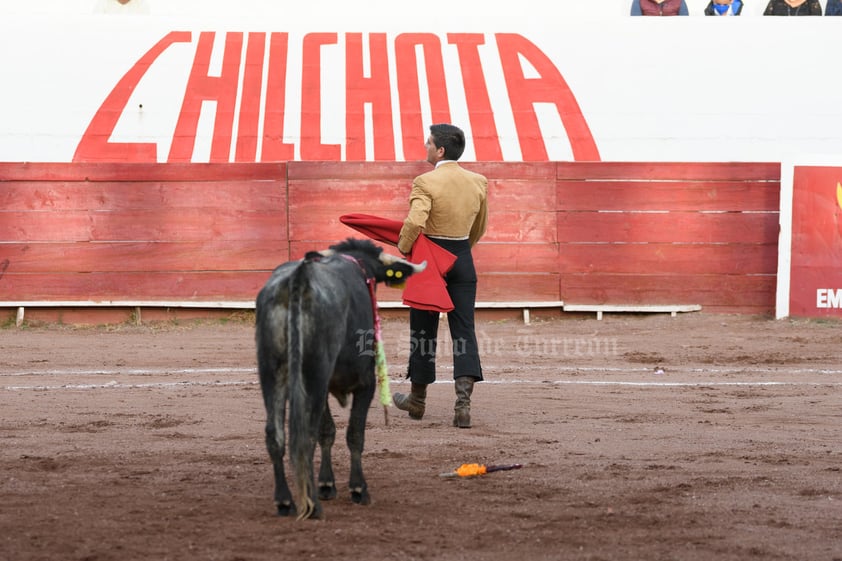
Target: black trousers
point(424, 325)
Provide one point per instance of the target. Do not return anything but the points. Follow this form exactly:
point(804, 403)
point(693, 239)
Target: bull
point(314, 324)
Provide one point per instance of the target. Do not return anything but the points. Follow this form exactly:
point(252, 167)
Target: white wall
point(602, 8)
point(686, 89)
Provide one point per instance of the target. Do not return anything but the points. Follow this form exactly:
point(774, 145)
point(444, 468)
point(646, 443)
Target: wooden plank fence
point(669, 233)
point(208, 235)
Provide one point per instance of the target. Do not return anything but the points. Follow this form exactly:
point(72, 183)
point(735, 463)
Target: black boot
point(462, 409)
point(413, 403)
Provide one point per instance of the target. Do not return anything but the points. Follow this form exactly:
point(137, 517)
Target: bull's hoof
point(316, 513)
point(359, 495)
point(286, 508)
point(327, 491)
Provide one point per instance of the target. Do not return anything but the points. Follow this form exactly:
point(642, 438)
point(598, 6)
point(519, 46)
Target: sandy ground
point(642, 437)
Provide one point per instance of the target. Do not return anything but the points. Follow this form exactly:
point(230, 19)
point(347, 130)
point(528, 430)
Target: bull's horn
point(388, 259)
point(327, 252)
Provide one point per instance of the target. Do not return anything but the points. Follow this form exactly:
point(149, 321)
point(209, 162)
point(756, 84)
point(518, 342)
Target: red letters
point(94, 145)
point(202, 87)
point(360, 90)
point(409, 91)
point(311, 101)
point(550, 87)
point(480, 114)
point(274, 147)
point(249, 121)
point(367, 92)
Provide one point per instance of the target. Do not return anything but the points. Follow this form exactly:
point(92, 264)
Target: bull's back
point(335, 316)
point(321, 293)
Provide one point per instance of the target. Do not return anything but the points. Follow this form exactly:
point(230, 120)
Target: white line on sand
point(113, 384)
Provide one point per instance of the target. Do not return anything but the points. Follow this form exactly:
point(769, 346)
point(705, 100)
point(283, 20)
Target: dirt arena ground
point(645, 437)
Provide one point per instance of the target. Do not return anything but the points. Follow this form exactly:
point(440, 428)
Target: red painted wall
point(601, 232)
point(669, 233)
point(136, 232)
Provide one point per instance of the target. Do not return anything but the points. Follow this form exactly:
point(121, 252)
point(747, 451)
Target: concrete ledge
point(138, 305)
point(633, 308)
point(247, 304)
point(235, 305)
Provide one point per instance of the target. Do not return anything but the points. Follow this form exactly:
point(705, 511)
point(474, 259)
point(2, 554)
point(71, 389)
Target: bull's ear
point(388, 259)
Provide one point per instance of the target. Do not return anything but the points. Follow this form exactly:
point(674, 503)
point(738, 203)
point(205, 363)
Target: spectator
point(793, 8)
point(833, 8)
point(724, 8)
point(659, 8)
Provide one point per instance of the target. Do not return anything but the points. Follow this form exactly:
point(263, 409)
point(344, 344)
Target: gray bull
point(314, 336)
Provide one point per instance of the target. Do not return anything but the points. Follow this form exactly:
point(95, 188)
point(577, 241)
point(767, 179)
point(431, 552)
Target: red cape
point(426, 290)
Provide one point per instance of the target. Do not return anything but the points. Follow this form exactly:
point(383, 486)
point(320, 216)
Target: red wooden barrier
point(94, 232)
point(670, 233)
point(585, 233)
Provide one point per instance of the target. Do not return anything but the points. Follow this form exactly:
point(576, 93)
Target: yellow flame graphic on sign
point(839, 194)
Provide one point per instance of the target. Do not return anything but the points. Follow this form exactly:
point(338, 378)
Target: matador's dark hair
point(449, 137)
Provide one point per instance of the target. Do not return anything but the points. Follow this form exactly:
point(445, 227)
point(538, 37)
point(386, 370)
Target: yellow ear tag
point(398, 274)
point(389, 272)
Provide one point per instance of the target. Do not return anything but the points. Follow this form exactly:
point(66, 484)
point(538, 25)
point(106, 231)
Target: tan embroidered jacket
point(449, 202)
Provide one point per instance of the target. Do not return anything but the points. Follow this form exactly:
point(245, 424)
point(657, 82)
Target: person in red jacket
point(659, 8)
point(793, 8)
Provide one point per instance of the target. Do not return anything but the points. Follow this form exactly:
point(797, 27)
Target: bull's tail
point(301, 443)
